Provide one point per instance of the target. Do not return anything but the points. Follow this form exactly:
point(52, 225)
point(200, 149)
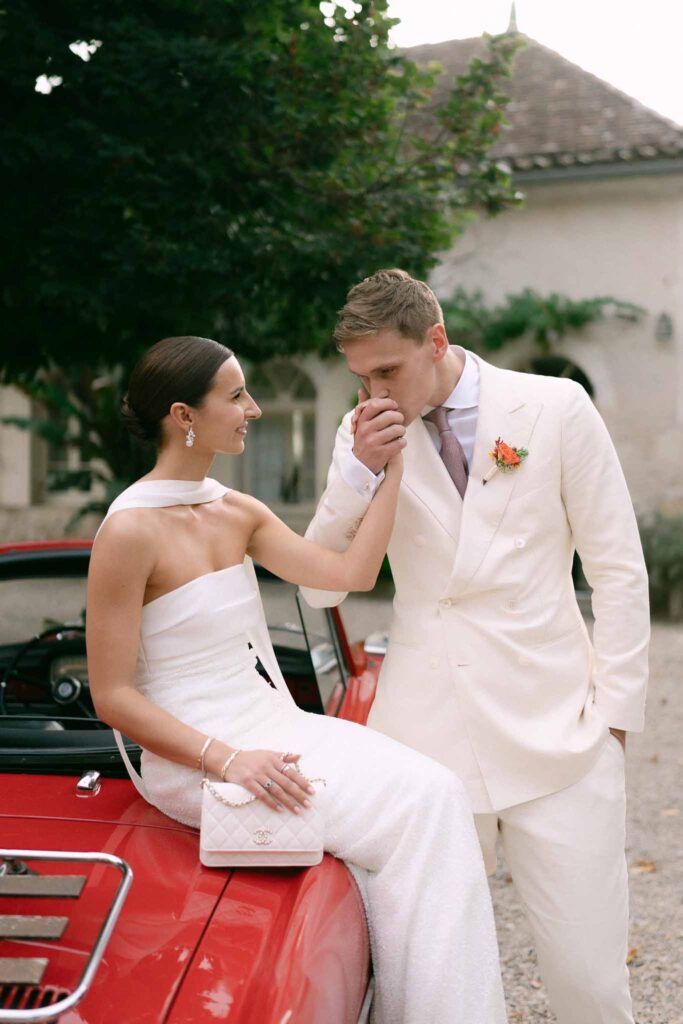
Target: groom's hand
point(377, 426)
point(620, 735)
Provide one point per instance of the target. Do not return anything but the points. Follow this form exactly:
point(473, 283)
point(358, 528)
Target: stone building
point(603, 215)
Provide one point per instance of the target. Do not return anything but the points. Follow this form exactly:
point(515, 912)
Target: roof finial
point(512, 26)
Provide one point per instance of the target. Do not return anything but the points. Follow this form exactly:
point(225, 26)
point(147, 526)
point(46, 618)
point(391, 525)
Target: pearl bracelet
point(224, 769)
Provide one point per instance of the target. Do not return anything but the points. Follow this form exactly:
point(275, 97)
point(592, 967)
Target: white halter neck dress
point(400, 817)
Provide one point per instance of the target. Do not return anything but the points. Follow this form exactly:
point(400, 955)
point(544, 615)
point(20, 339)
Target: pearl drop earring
point(189, 439)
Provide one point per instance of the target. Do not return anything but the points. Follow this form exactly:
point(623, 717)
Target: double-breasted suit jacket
point(487, 641)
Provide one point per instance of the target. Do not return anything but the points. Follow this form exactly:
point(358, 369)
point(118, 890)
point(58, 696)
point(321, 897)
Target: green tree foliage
point(662, 540)
point(545, 319)
point(223, 167)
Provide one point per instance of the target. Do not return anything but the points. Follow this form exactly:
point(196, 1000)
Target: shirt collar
point(465, 394)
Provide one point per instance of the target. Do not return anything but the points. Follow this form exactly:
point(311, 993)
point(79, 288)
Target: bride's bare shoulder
point(130, 523)
point(247, 507)
point(127, 538)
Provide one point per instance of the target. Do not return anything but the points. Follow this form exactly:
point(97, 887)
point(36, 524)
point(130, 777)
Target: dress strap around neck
point(165, 493)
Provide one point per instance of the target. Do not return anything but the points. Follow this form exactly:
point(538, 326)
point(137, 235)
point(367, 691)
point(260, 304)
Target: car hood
point(170, 902)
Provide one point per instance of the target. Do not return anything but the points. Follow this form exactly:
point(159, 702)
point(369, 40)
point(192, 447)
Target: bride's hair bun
point(135, 424)
point(173, 370)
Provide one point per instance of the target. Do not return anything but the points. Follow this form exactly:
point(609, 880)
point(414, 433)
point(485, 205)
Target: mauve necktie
point(452, 455)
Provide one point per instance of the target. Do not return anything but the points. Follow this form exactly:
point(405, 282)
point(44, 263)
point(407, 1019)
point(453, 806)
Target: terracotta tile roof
point(559, 114)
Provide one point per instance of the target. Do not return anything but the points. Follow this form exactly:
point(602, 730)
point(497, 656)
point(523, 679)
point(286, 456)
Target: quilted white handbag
point(240, 833)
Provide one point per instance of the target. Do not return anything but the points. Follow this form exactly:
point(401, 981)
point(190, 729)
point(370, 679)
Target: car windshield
point(47, 719)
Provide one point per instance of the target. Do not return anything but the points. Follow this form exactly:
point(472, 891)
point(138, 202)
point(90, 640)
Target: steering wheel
point(70, 686)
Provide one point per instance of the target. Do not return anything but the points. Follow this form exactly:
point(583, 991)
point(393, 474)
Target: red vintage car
point(106, 914)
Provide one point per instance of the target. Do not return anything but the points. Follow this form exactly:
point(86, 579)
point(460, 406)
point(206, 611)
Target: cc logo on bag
point(263, 837)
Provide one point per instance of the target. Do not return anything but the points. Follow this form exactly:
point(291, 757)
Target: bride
point(172, 605)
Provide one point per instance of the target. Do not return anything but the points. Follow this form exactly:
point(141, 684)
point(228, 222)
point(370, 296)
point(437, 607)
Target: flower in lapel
point(506, 457)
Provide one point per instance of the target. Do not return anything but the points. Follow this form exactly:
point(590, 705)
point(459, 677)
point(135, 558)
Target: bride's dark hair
point(173, 370)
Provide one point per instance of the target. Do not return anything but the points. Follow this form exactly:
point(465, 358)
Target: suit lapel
point(502, 413)
point(425, 475)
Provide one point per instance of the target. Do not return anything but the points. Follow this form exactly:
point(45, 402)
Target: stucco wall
point(622, 238)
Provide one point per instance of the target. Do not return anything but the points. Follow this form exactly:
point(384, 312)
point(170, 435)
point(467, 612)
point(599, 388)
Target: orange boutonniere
point(506, 457)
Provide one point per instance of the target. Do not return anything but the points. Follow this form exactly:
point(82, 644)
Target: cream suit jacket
point(486, 634)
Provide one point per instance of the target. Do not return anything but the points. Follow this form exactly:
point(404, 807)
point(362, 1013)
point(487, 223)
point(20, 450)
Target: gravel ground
point(654, 849)
point(654, 853)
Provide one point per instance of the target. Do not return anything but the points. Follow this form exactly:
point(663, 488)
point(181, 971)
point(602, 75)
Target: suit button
point(433, 662)
point(446, 602)
point(520, 542)
point(420, 540)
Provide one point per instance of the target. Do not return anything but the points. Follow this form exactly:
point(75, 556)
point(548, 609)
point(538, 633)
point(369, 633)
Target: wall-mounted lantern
point(664, 328)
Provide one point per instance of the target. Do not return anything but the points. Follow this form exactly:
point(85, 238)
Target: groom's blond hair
point(389, 299)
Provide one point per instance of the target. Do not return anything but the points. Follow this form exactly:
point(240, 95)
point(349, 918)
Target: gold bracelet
point(199, 763)
point(224, 769)
point(204, 755)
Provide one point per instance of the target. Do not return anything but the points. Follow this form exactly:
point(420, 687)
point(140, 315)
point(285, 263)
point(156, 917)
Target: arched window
point(280, 455)
point(559, 366)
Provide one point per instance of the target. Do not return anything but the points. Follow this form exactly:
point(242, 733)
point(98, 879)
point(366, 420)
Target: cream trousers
point(565, 852)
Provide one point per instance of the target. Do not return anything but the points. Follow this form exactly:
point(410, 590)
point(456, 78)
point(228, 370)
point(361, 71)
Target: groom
point(490, 668)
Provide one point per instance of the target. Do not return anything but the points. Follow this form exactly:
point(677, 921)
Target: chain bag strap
point(214, 790)
point(248, 833)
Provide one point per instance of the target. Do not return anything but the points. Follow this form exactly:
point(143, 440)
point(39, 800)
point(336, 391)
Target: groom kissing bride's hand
point(378, 429)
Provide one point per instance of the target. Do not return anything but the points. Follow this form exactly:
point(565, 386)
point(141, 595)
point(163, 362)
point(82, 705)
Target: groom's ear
point(437, 337)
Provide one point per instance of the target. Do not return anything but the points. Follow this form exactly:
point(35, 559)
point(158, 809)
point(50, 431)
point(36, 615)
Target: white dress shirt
point(463, 406)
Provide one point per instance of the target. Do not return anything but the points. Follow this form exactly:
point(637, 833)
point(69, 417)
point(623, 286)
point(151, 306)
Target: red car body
point(284, 946)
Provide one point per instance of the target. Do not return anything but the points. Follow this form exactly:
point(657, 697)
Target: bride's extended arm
point(120, 566)
point(302, 561)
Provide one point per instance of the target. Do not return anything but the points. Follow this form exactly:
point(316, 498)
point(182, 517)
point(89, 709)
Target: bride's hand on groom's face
point(378, 430)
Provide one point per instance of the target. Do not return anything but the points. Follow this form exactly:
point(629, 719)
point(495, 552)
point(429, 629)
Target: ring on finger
point(268, 784)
